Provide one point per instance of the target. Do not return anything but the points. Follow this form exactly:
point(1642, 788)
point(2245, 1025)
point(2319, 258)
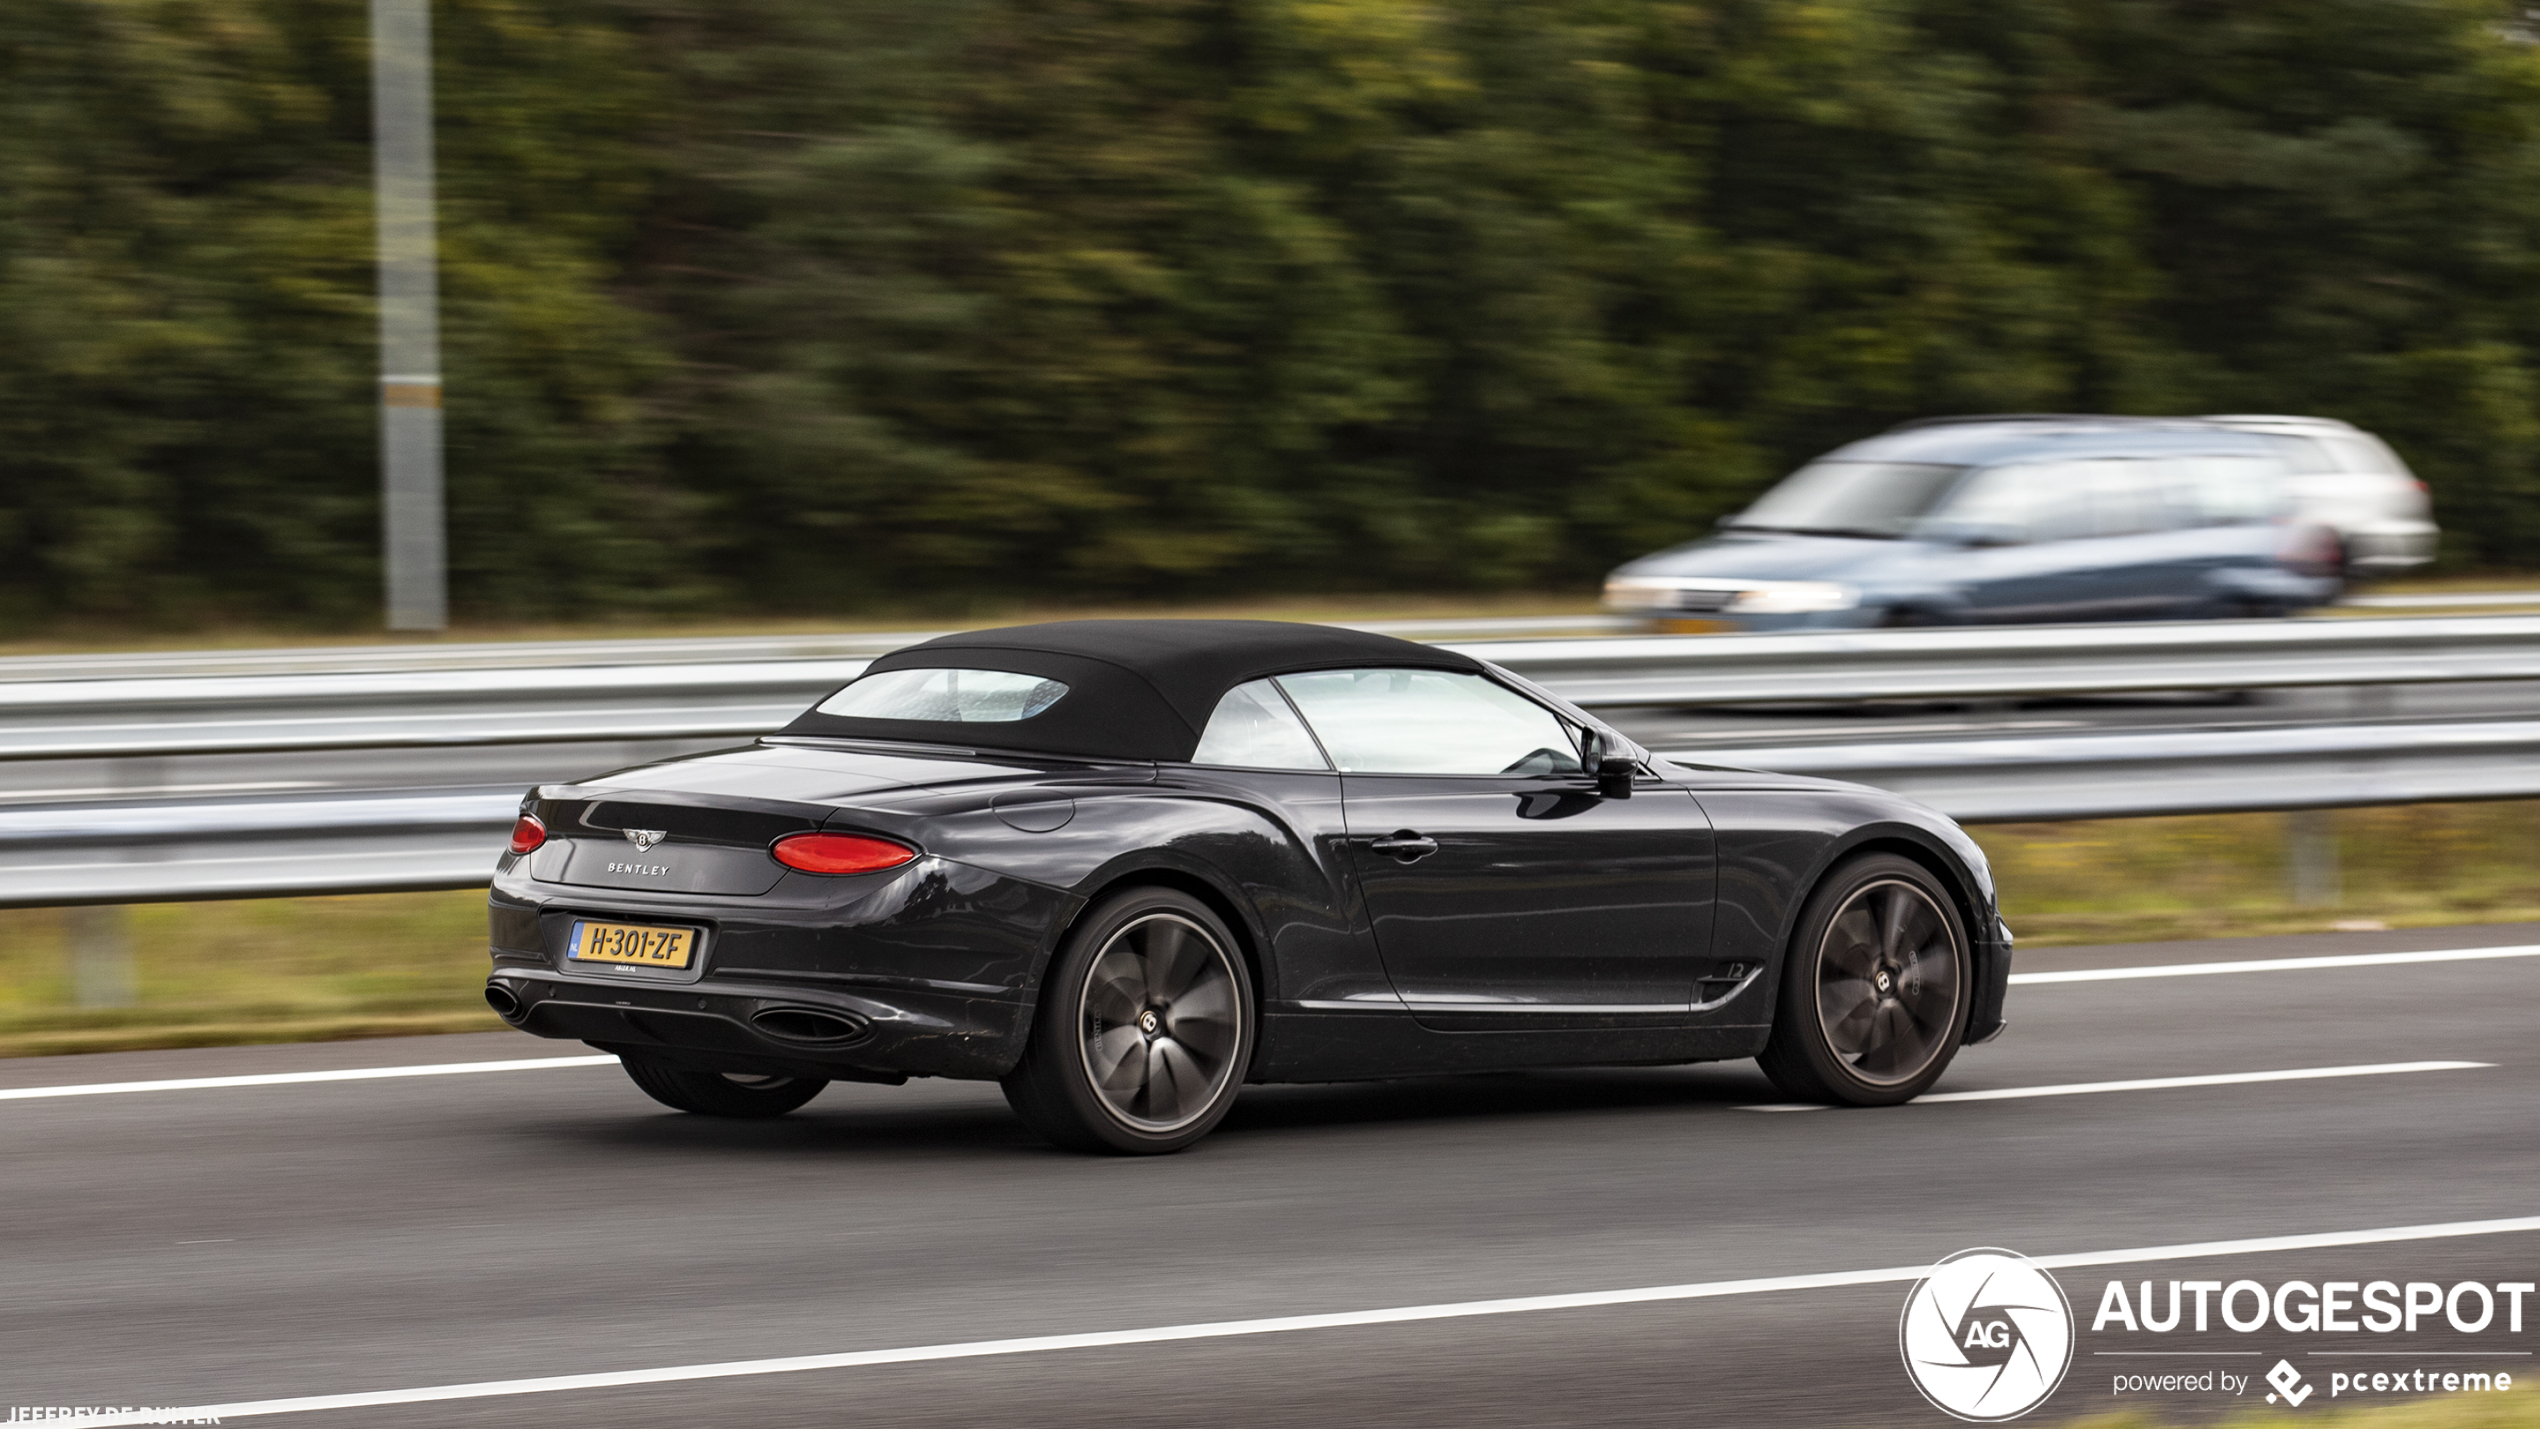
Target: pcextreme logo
point(1987, 1335)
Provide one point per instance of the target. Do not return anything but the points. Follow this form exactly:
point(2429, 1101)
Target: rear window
point(946, 696)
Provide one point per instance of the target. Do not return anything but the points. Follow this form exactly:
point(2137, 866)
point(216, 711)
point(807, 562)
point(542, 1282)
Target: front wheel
point(1144, 1031)
point(737, 1094)
point(1875, 992)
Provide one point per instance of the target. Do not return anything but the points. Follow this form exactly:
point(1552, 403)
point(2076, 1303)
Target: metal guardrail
point(372, 842)
point(2025, 661)
point(615, 694)
point(2098, 776)
point(389, 841)
point(686, 650)
point(270, 845)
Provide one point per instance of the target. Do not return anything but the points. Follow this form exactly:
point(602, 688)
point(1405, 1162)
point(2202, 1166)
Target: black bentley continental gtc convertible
point(1125, 867)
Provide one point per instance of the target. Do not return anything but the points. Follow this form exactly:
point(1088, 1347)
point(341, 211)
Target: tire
point(1876, 990)
point(1144, 1030)
point(737, 1094)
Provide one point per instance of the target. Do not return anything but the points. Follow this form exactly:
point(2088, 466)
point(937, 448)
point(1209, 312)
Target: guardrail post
point(2310, 849)
point(100, 940)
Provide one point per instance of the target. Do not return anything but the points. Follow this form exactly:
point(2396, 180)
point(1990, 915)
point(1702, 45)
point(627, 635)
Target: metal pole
point(100, 940)
point(411, 526)
point(2311, 867)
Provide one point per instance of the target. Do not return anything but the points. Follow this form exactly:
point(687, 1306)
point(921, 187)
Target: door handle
point(1408, 845)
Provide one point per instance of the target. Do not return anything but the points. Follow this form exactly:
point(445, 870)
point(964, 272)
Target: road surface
point(191, 1246)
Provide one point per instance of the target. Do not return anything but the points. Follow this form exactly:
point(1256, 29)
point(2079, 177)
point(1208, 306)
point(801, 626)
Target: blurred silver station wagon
point(2049, 518)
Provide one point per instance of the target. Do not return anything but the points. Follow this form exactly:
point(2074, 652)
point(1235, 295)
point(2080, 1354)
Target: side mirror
point(1612, 769)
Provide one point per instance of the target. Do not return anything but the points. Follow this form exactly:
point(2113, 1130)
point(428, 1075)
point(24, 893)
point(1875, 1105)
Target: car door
point(2143, 566)
point(2224, 507)
point(1506, 890)
point(2056, 541)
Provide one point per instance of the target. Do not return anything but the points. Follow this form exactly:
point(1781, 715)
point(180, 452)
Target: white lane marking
point(284, 1079)
point(2277, 965)
point(2153, 1084)
point(1228, 1329)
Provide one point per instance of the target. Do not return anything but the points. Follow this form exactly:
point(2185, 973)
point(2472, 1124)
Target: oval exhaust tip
point(808, 1024)
point(500, 998)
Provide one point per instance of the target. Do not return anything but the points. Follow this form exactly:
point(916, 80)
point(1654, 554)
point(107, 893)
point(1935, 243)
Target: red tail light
point(840, 853)
point(2312, 551)
point(528, 833)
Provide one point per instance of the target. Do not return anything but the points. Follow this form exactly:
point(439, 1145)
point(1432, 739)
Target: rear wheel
point(1875, 992)
point(741, 1094)
point(1144, 1031)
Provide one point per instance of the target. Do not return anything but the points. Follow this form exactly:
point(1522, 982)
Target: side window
point(2125, 497)
point(1999, 501)
point(2223, 490)
point(2362, 451)
point(2066, 500)
point(2303, 454)
point(1254, 728)
point(1430, 722)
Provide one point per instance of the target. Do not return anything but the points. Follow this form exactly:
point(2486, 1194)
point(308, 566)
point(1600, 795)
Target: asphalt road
point(203, 1246)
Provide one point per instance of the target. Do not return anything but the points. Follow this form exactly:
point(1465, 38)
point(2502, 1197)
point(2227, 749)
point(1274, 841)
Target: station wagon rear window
point(946, 696)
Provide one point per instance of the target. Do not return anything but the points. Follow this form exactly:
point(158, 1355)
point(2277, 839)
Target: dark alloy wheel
point(1144, 1031)
point(741, 1094)
point(1874, 994)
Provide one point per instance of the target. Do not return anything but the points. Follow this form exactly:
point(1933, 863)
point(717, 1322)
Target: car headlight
point(1794, 598)
point(1625, 593)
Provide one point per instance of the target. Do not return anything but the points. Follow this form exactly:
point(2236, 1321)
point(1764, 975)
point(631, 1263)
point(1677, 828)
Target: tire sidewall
point(1057, 1025)
point(1799, 1020)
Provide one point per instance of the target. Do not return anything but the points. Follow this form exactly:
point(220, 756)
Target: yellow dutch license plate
point(631, 943)
point(1672, 625)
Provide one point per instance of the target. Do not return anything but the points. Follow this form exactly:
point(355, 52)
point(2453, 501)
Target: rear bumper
point(2389, 546)
point(929, 970)
point(722, 1025)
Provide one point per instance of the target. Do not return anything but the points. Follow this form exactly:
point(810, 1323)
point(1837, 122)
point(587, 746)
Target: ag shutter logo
point(1987, 1336)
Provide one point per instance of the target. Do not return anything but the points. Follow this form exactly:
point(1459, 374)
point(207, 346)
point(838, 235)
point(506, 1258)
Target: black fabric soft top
point(1137, 689)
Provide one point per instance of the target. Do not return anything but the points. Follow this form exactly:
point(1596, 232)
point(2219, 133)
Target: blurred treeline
point(827, 304)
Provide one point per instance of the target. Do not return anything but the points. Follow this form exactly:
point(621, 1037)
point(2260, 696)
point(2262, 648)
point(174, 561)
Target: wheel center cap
point(1149, 1023)
point(1883, 982)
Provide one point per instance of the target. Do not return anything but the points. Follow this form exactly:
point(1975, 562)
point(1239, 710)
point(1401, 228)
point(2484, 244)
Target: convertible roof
point(1137, 689)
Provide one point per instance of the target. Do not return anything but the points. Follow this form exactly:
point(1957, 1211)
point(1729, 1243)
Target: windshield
point(1851, 498)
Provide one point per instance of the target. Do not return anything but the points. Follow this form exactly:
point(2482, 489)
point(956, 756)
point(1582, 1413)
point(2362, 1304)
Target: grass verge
point(266, 970)
point(2229, 875)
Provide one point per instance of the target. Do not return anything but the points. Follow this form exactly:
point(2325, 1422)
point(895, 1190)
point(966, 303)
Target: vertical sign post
point(412, 538)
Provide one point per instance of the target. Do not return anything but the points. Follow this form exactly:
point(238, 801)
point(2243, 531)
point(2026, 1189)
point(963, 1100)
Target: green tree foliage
point(187, 349)
point(785, 304)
